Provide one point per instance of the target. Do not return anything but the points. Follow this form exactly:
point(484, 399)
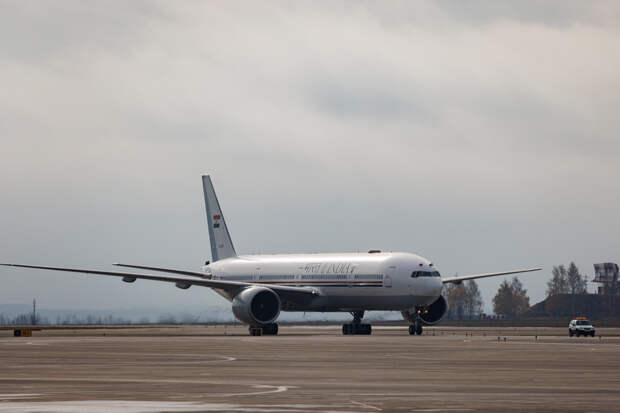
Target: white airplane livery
point(261, 286)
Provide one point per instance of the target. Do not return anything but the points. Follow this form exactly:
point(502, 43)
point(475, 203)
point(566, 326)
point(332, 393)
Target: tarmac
point(309, 369)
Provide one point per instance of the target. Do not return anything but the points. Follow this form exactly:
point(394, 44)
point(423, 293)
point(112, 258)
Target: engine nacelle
point(256, 306)
point(428, 315)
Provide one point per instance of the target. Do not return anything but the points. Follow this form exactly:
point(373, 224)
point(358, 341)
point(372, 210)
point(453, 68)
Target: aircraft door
point(389, 274)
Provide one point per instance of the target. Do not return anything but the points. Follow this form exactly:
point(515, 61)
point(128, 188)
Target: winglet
point(221, 243)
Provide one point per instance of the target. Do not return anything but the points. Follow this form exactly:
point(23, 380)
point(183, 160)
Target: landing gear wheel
point(570, 333)
point(415, 328)
point(270, 329)
point(264, 330)
point(357, 327)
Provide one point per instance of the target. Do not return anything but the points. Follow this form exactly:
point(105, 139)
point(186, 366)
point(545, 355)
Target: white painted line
point(273, 389)
point(18, 395)
point(129, 406)
point(367, 406)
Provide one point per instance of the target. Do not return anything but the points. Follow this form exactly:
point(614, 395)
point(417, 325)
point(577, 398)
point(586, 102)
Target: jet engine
point(428, 315)
point(256, 306)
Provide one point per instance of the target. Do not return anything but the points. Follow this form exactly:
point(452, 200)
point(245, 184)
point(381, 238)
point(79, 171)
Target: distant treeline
point(178, 318)
point(72, 319)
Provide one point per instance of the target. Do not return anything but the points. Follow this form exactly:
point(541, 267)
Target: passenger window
point(414, 274)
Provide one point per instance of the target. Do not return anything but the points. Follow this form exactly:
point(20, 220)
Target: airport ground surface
point(309, 369)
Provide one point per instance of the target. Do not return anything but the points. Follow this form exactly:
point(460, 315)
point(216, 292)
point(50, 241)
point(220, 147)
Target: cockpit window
point(417, 274)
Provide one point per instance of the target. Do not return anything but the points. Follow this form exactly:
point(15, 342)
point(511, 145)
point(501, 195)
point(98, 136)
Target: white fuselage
point(345, 282)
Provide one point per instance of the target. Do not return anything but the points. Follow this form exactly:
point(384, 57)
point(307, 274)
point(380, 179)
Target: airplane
point(261, 286)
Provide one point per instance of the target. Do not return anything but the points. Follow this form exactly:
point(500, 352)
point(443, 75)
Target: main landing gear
point(356, 327)
point(264, 330)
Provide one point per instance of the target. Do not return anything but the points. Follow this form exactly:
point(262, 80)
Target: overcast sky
point(481, 135)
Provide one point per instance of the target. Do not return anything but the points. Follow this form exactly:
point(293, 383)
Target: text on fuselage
point(330, 268)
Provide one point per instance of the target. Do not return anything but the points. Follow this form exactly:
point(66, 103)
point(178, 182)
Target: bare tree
point(521, 300)
point(511, 298)
point(502, 302)
point(464, 300)
point(473, 299)
point(558, 284)
point(576, 282)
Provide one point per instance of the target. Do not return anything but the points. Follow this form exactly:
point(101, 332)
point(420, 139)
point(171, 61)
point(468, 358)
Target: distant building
point(606, 274)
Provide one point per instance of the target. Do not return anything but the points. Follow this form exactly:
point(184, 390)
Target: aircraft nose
point(438, 286)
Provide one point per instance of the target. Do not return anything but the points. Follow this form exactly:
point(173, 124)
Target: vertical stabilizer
point(221, 244)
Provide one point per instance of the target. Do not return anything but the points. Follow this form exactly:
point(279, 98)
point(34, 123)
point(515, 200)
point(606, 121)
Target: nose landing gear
point(416, 327)
point(356, 327)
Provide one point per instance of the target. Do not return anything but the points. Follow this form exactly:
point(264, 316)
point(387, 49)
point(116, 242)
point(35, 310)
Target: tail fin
point(221, 244)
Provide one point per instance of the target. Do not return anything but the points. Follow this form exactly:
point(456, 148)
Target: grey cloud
point(364, 99)
point(450, 14)
point(552, 13)
point(348, 126)
point(32, 31)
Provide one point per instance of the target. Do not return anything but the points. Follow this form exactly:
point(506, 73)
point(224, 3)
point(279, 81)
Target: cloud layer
point(483, 137)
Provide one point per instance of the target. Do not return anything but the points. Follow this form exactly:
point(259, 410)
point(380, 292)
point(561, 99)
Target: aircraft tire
point(412, 330)
point(418, 329)
point(270, 329)
point(356, 329)
point(264, 330)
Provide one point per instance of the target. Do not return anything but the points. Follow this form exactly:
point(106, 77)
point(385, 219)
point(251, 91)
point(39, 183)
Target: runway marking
point(274, 389)
point(18, 395)
point(178, 361)
point(367, 406)
point(442, 410)
point(130, 406)
point(27, 343)
point(183, 362)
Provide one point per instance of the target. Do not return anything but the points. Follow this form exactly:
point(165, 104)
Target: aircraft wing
point(172, 271)
point(232, 288)
point(460, 279)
